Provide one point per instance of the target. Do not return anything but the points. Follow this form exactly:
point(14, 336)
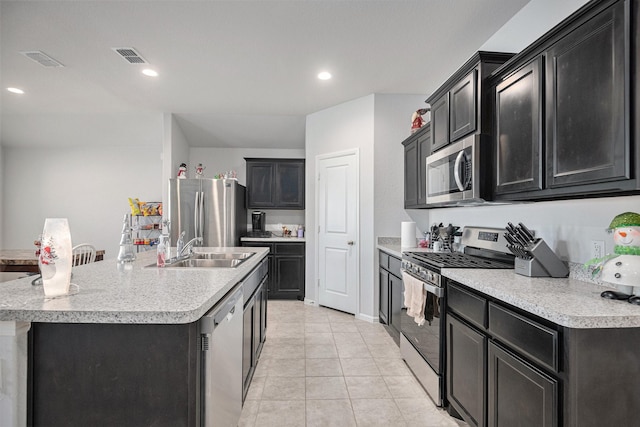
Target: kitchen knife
point(527, 232)
point(523, 237)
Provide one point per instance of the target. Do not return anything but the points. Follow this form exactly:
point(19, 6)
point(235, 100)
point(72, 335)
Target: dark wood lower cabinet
point(519, 394)
point(391, 294)
point(253, 334)
point(286, 268)
point(466, 371)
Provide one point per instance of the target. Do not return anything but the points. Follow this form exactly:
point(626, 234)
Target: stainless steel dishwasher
point(221, 333)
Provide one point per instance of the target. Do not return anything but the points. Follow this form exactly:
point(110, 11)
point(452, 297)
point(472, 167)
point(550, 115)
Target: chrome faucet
point(188, 247)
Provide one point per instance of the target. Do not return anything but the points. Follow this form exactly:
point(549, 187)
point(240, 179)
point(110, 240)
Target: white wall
point(220, 160)
point(175, 150)
point(87, 185)
point(392, 126)
point(375, 125)
point(3, 216)
point(343, 127)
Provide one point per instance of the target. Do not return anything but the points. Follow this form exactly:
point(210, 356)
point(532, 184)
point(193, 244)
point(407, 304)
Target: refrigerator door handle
point(196, 214)
point(201, 218)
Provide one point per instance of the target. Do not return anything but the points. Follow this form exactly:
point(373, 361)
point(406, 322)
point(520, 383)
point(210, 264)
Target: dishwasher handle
point(224, 310)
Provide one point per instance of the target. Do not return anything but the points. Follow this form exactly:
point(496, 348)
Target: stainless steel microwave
point(453, 174)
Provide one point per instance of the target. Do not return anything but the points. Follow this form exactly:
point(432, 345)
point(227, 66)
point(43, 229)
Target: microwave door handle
point(456, 171)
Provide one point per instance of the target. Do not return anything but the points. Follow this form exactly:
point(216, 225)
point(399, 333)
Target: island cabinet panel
point(587, 104)
point(113, 374)
point(518, 136)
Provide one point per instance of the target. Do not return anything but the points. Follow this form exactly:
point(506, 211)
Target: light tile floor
point(321, 367)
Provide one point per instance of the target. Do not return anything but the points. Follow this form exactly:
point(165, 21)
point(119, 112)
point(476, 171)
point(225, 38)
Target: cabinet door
point(289, 277)
point(263, 302)
point(424, 149)
point(466, 371)
point(257, 319)
point(384, 296)
point(395, 285)
point(261, 186)
point(411, 174)
point(519, 394)
point(463, 108)
point(290, 185)
point(440, 123)
point(518, 141)
point(247, 347)
point(587, 102)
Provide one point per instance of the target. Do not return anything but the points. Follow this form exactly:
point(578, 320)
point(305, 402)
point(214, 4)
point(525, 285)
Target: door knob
point(350, 243)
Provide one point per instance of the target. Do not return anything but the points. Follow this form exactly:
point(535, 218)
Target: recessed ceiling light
point(149, 72)
point(15, 90)
point(324, 75)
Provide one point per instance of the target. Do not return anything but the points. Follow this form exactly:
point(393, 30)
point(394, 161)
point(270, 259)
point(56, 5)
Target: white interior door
point(338, 247)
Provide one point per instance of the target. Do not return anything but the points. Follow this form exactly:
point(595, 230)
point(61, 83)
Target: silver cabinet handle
point(350, 242)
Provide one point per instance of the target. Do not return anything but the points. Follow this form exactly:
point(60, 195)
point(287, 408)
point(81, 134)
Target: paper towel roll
point(408, 235)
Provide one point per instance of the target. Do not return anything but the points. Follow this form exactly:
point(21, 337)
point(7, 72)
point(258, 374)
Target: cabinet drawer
point(527, 336)
point(467, 305)
point(383, 257)
point(289, 248)
point(394, 266)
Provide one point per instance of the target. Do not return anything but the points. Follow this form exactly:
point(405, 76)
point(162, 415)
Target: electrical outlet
point(597, 248)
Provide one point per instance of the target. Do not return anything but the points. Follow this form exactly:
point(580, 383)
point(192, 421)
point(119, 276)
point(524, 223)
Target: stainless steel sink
point(222, 255)
point(210, 260)
point(206, 263)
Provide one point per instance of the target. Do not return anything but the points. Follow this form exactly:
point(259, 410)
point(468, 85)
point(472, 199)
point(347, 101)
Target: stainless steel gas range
point(423, 346)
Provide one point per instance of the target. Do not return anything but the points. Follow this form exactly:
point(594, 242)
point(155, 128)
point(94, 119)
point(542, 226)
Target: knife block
point(543, 263)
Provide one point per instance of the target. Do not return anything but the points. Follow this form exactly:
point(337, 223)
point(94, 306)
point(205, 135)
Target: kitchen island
point(149, 306)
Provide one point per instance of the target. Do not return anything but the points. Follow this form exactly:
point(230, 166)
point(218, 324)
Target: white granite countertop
point(569, 302)
point(273, 239)
point(566, 302)
point(114, 293)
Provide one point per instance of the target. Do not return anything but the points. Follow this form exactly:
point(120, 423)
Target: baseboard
point(308, 301)
point(367, 318)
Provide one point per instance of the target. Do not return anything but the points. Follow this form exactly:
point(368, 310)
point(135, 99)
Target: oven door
point(452, 173)
point(426, 338)
point(421, 346)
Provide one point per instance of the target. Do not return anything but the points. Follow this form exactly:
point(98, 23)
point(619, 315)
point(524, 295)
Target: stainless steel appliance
point(257, 221)
point(455, 175)
point(221, 370)
point(423, 347)
point(213, 209)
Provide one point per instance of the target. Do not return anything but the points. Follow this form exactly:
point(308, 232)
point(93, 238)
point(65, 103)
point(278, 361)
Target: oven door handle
point(436, 290)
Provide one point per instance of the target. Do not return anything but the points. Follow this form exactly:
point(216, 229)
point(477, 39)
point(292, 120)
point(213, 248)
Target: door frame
point(349, 152)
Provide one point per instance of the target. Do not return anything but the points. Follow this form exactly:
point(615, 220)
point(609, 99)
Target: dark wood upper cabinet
point(463, 106)
point(440, 123)
point(275, 183)
point(563, 109)
point(518, 136)
point(587, 104)
point(416, 149)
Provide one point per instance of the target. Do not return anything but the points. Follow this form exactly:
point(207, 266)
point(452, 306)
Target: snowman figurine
point(623, 269)
point(200, 171)
point(182, 171)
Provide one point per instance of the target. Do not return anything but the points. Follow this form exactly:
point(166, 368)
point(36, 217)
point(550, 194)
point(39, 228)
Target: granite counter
point(567, 302)
point(127, 293)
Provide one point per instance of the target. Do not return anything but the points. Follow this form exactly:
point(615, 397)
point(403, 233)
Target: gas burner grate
point(455, 260)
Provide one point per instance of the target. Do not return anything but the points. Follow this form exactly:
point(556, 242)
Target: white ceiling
point(234, 73)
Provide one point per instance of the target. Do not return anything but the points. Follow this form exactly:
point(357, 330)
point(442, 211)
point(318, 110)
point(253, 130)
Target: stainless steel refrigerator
point(213, 209)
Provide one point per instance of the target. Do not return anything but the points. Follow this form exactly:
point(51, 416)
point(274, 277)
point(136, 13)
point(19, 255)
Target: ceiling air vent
point(41, 58)
point(130, 55)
